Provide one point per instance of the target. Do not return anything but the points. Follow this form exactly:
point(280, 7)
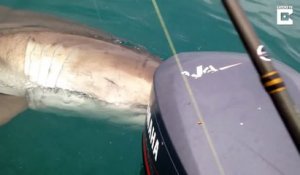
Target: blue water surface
point(42, 143)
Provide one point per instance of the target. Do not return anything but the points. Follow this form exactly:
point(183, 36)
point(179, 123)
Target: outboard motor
point(213, 116)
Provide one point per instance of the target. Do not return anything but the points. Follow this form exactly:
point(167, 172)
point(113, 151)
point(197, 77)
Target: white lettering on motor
point(262, 53)
point(152, 135)
point(201, 70)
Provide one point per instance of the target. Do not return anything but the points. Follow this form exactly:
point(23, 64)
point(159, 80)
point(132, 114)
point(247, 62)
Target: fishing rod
point(270, 78)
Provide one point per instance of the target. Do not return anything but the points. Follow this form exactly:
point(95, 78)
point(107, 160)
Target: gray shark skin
point(56, 65)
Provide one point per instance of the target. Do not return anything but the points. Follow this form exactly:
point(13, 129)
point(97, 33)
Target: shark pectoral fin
point(10, 106)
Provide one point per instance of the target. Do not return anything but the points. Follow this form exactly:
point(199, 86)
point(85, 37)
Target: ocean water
point(41, 143)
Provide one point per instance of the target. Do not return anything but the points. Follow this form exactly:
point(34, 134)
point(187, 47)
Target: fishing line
point(189, 90)
point(97, 9)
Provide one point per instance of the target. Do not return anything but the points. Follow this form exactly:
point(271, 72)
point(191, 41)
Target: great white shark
point(56, 65)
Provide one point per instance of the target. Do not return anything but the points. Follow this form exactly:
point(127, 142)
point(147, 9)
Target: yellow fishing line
point(189, 90)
